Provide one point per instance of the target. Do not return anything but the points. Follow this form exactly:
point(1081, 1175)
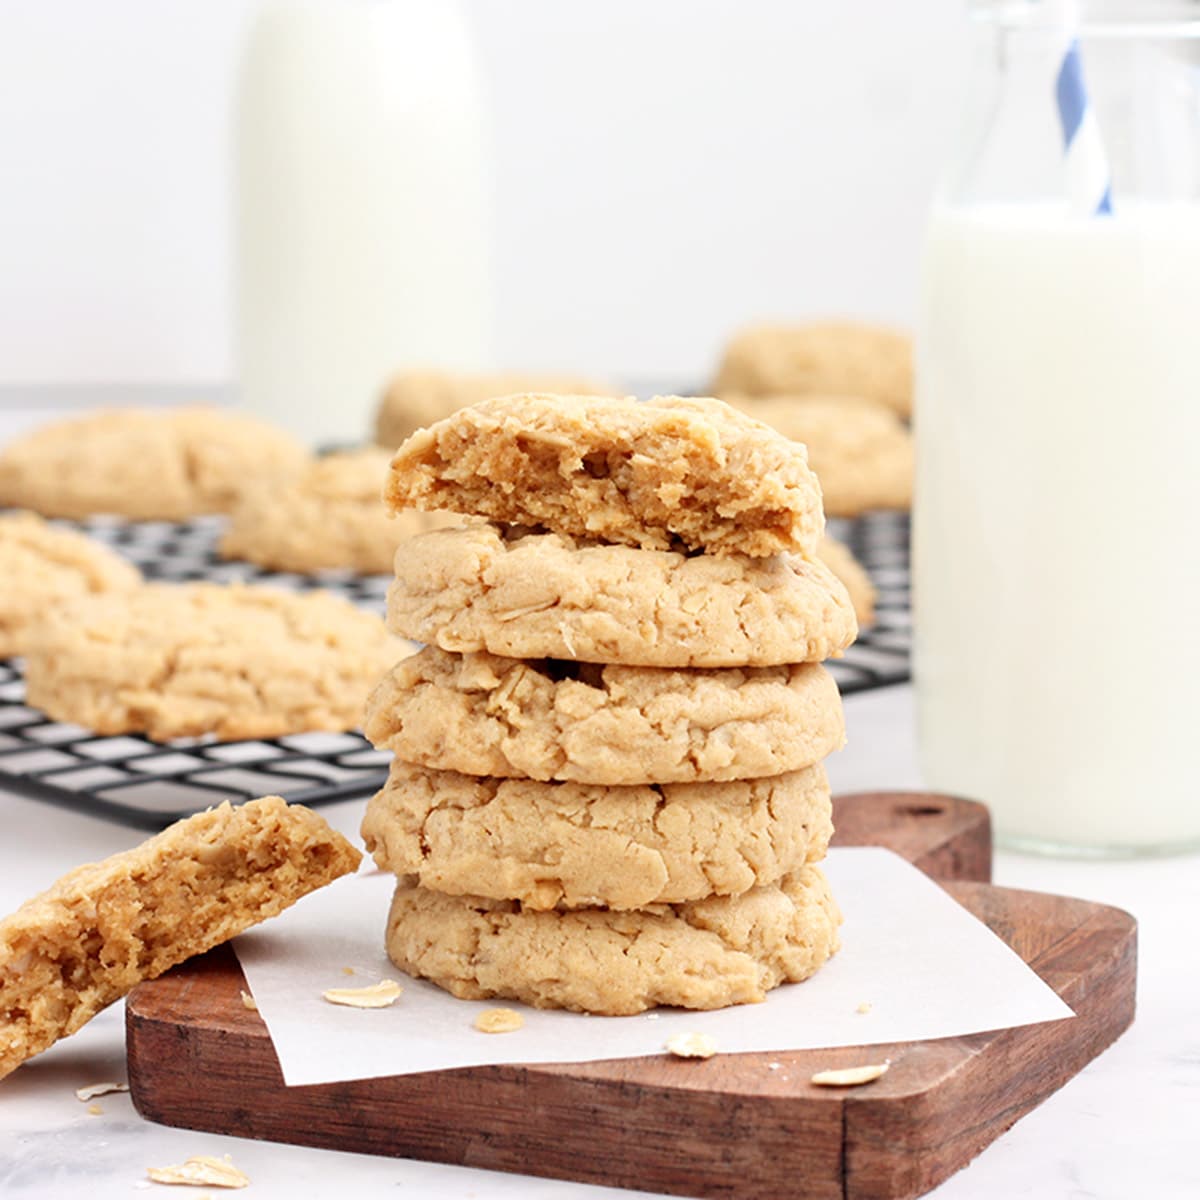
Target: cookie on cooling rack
point(182, 660)
point(330, 516)
point(832, 358)
point(146, 464)
point(41, 565)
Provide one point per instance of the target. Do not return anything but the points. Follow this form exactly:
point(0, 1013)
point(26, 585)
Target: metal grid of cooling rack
point(147, 784)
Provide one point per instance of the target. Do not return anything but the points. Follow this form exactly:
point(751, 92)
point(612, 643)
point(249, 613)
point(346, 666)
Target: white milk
point(1057, 524)
point(360, 208)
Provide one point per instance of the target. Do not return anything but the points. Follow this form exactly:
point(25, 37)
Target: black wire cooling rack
point(147, 784)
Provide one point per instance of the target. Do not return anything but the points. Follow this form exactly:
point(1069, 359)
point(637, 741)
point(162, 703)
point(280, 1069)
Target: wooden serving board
point(726, 1127)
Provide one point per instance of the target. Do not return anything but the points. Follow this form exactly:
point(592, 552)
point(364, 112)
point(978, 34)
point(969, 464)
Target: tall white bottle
point(362, 241)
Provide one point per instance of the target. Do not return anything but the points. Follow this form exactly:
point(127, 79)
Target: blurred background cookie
point(41, 565)
point(181, 660)
point(415, 399)
point(838, 558)
point(861, 451)
point(148, 464)
point(835, 358)
point(330, 516)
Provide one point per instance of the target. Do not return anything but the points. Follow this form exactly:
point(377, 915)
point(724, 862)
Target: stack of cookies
point(607, 791)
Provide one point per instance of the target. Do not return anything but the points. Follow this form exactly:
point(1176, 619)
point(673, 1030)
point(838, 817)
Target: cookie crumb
point(347, 970)
point(94, 1110)
point(864, 1007)
point(201, 1171)
point(248, 1001)
point(850, 1076)
point(90, 1092)
point(499, 1020)
point(692, 1045)
point(379, 995)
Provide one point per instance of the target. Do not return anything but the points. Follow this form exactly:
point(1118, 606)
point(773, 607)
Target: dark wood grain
point(727, 1127)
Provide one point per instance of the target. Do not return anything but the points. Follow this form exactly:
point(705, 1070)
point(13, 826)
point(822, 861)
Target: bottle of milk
point(1056, 549)
point(360, 213)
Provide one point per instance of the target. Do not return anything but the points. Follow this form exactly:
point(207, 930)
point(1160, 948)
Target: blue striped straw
point(1088, 181)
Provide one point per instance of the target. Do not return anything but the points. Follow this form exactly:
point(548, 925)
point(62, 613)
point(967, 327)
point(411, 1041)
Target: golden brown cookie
point(41, 565)
point(707, 954)
point(552, 719)
point(577, 845)
point(415, 399)
point(180, 660)
point(147, 464)
point(546, 596)
point(861, 451)
point(331, 516)
point(837, 557)
point(837, 358)
point(667, 473)
point(70, 952)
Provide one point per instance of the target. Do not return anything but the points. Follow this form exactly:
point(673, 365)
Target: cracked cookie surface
point(329, 517)
point(861, 452)
point(146, 464)
point(71, 951)
point(414, 399)
point(578, 845)
point(42, 565)
point(549, 719)
point(835, 358)
point(548, 596)
point(703, 955)
point(180, 660)
point(666, 473)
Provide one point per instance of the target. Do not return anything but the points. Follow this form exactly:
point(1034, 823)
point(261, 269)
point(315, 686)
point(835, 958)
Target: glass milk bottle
point(1056, 548)
point(361, 219)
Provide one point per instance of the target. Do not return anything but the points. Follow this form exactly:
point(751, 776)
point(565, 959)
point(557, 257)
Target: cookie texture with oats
point(146, 464)
point(85, 942)
point(832, 358)
point(181, 660)
point(707, 954)
point(574, 845)
point(668, 473)
point(544, 595)
point(41, 566)
point(549, 719)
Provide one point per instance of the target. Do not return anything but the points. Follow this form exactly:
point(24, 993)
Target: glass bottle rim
point(1097, 18)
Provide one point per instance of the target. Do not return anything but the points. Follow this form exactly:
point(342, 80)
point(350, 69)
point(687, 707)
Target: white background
point(664, 170)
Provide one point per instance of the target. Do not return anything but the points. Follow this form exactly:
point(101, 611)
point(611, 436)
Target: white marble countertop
point(1126, 1128)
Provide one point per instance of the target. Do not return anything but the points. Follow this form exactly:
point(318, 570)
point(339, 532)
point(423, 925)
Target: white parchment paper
point(926, 967)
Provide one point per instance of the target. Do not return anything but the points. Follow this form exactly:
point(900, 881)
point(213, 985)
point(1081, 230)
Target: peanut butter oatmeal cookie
point(147, 464)
point(73, 950)
point(553, 719)
point(707, 954)
point(331, 516)
point(837, 358)
point(415, 399)
point(180, 660)
point(575, 845)
point(669, 473)
point(549, 596)
point(41, 565)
